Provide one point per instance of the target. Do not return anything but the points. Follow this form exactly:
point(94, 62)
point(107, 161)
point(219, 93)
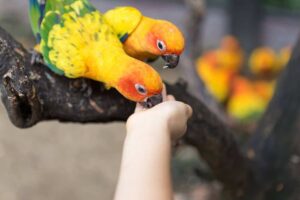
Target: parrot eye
point(161, 45)
point(141, 89)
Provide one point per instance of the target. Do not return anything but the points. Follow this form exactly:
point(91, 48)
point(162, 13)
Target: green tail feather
point(36, 11)
point(51, 16)
point(39, 8)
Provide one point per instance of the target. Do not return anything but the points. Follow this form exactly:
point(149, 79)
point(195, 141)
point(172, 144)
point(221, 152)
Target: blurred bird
point(217, 67)
point(76, 41)
point(284, 57)
point(265, 89)
point(230, 54)
point(249, 99)
point(146, 38)
point(216, 79)
point(263, 62)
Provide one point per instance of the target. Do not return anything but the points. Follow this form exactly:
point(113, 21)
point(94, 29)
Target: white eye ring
point(161, 45)
point(141, 89)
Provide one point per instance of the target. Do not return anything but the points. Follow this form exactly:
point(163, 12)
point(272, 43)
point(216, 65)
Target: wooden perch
point(275, 144)
point(34, 93)
point(194, 26)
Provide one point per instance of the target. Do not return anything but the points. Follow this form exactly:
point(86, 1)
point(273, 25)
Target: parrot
point(263, 62)
point(216, 79)
point(218, 67)
point(146, 38)
point(249, 99)
point(75, 41)
point(284, 57)
point(230, 54)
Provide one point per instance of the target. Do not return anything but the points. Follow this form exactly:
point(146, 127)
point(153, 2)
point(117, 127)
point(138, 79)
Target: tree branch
point(275, 144)
point(34, 93)
point(194, 25)
point(196, 11)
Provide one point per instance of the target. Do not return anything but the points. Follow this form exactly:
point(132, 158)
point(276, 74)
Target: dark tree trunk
point(194, 25)
point(277, 138)
point(33, 93)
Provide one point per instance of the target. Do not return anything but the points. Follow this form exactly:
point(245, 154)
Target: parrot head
point(166, 40)
point(156, 38)
point(141, 84)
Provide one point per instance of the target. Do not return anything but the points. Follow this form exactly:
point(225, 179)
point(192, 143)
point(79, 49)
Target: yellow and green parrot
point(146, 38)
point(76, 41)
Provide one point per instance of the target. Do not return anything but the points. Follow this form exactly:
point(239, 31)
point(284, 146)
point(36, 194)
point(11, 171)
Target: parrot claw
point(36, 58)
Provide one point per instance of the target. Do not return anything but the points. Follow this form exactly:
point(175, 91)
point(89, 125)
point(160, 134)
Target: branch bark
point(194, 25)
point(275, 144)
point(33, 93)
point(196, 11)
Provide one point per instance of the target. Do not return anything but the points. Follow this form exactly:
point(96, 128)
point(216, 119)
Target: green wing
point(44, 15)
point(39, 8)
point(36, 11)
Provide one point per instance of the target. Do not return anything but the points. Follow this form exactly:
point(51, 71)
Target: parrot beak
point(152, 101)
point(172, 60)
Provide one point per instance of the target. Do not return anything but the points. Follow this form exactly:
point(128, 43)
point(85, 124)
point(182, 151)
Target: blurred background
point(242, 46)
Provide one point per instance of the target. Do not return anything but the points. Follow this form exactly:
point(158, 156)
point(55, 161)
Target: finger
point(171, 98)
point(139, 108)
point(189, 111)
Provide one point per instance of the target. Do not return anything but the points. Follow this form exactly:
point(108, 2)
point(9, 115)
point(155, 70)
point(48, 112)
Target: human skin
point(145, 168)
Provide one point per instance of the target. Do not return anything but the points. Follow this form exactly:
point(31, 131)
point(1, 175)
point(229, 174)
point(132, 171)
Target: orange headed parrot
point(146, 38)
point(77, 41)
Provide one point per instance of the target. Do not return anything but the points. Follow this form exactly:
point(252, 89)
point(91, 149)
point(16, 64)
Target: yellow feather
point(83, 48)
point(89, 47)
point(77, 6)
point(124, 20)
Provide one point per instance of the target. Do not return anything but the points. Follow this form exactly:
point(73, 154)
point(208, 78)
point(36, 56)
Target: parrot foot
point(36, 57)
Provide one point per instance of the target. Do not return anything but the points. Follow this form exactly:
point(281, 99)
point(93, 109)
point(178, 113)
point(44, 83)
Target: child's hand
point(170, 116)
point(145, 170)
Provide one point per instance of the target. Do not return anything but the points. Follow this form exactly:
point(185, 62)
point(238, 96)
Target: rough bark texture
point(196, 13)
point(276, 140)
point(194, 23)
point(34, 93)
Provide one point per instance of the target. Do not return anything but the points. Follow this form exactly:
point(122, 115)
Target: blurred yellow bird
point(216, 79)
point(263, 62)
point(284, 57)
point(230, 54)
point(249, 99)
point(217, 68)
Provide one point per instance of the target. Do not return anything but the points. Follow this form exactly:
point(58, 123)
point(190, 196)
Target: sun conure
point(216, 78)
point(263, 63)
point(76, 41)
point(249, 99)
point(146, 38)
